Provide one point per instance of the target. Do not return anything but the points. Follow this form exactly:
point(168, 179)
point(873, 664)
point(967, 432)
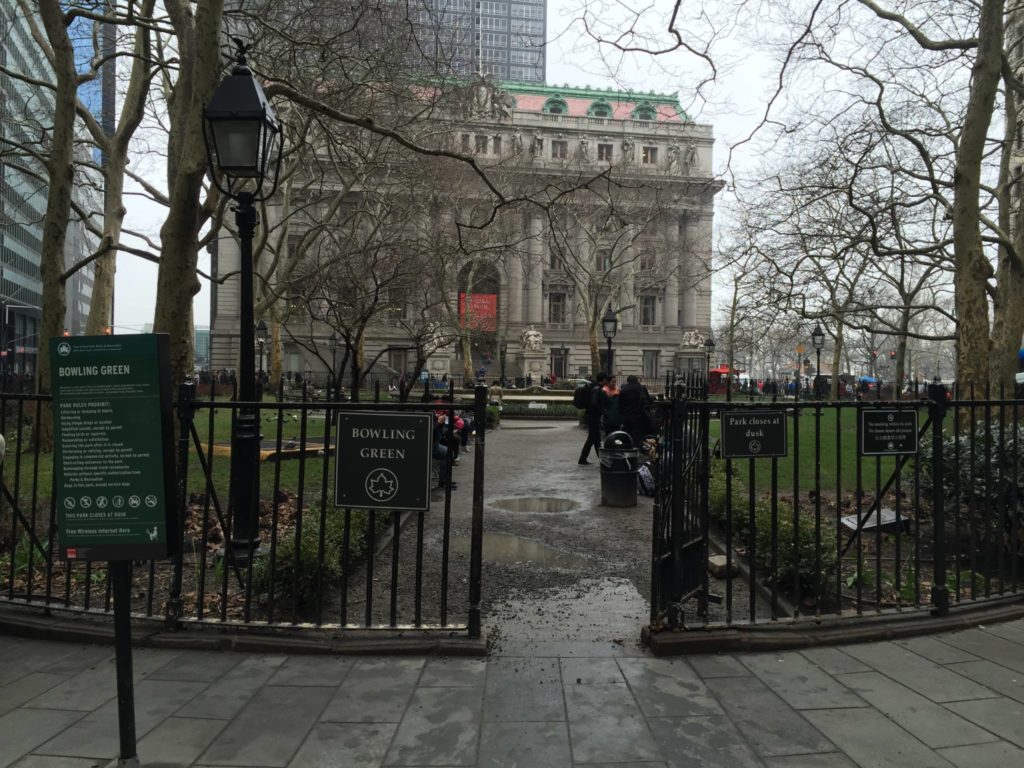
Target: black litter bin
point(620, 463)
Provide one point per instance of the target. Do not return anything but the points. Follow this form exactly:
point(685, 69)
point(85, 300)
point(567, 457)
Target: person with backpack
point(586, 398)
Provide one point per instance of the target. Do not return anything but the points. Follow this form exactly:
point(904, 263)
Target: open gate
point(680, 538)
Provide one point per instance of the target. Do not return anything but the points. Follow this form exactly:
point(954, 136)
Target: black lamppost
point(709, 350)
point(818, 340)
point(502, 352)
point(243, 148)
point(565, 361)
point(334, 360)
point(261, 340)
point(609, 326)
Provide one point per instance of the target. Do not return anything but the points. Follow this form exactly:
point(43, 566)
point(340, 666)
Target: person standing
point(634, 401)
point(610, 408)
point(593, 419)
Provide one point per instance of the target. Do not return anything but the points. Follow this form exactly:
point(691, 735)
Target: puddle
point(507, 549)
point(540, 504)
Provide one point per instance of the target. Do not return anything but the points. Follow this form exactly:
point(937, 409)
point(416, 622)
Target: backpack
point(581, 396)
point(645, 480)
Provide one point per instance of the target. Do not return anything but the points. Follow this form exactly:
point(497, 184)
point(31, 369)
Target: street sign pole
point(121, 576)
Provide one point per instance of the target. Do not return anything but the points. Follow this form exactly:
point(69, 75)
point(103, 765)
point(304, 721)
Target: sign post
point(114, 472)
point(383, 460)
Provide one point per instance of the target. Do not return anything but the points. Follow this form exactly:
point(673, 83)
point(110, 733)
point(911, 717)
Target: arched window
point(645, 112)
point(600, 108)
point(556, 106)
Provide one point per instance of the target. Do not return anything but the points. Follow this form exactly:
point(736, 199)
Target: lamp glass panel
point(237, 144)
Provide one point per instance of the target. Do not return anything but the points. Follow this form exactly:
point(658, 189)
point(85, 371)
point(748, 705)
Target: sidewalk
point(951, 700)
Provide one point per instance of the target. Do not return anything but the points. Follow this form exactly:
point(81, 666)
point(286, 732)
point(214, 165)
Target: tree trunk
point(837, 362)
point(971, 266)
point(199, 72)
point(59, 167)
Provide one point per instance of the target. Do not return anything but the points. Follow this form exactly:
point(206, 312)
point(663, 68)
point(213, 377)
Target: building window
point(603, 262)
point(651, 372)
point(600, 108)
point(647, 260)
point(604, 152)
point(556, 308)
point(465, 143)
point(559, 150)
point(645, 112)
point(481, 145)
point(496, 145)
point(648, 309)
point(650, 156)
point(555, 106)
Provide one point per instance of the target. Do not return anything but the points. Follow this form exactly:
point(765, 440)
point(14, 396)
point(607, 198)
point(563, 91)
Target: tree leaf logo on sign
point(63, 349)
point(381, 484)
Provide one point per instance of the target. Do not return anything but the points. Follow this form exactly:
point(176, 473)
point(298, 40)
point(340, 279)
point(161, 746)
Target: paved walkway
point(952, 700)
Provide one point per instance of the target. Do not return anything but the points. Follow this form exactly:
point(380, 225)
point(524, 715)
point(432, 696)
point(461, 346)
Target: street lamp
point(502, 352)
point(609, 325)
point(243, 149)
point(818, 340)
point(709, 350)
point(261, 340)
point(565, 361)
point(334, 357)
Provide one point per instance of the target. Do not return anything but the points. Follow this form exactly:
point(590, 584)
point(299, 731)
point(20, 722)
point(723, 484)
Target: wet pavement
point(951, 701)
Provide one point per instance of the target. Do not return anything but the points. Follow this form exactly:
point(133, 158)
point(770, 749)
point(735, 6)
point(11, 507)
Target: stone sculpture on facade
point(532, 340)
point(627, 150)
point(692, 339)
point(690, 161)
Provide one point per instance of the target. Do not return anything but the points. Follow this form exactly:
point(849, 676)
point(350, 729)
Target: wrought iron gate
point(680, 537)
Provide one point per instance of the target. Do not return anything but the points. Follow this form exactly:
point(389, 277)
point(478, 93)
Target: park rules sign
point(113, 458)
point(383, 460)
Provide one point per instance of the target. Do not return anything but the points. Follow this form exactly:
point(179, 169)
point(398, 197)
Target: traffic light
point(874, 353)
point(108, 330)
point(66, 333)
point(892, 354)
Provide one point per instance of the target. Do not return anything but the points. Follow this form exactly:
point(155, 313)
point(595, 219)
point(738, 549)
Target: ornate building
point(637, 238)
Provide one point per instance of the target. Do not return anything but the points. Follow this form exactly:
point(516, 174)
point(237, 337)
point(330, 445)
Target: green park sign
point(754, 434)
point(383, 460)
point(113, 458)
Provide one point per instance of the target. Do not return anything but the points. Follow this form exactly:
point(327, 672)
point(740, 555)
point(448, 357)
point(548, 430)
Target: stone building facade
point(662, 284)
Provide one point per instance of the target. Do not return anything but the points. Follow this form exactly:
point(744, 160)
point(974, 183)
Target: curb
point(151, 634)
point(807, 633)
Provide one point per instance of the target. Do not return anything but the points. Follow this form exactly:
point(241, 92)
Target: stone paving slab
point(799, 682)
point(930, 722)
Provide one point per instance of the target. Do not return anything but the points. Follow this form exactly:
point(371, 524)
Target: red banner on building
point(482, 311)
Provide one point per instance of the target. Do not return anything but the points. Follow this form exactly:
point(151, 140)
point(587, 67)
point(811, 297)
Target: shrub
point(813, 583)
point(993, 482)
point(312, 573)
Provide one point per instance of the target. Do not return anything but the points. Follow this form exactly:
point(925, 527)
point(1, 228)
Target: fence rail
point(318, 565)
point(831, 529)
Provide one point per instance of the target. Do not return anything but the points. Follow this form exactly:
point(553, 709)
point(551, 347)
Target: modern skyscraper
point(26, 112)
point(503, 39)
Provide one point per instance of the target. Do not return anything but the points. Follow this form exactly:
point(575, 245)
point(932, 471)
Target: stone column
point(514, 298)
point(536, 251)
point(670, 309)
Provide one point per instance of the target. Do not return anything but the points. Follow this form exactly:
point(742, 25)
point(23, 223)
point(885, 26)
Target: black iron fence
point(318, 564)
point(872, 506)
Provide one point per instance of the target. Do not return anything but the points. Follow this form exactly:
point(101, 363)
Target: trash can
point(620, 463)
